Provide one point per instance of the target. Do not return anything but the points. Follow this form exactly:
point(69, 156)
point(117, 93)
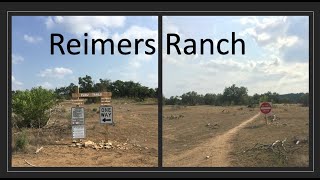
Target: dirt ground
point(134, 139)
point(208, 136)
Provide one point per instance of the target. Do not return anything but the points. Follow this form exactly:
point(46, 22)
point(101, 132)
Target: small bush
point(63, 110)
point(22, 141)
point(33, 106)
point(94, 109)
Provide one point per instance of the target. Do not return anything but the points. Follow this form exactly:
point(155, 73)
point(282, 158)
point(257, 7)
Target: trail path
point(217, 149)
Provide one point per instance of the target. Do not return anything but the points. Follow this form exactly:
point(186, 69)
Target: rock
point(146, 148)
point(125, 144)
point(89, 144)
point(78, 144)
point(207, 157)
point(108, 147)
point(138, 145)
point(208, 124)
point(72, 145)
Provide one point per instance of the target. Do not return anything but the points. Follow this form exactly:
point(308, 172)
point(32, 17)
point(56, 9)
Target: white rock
point(89, 144)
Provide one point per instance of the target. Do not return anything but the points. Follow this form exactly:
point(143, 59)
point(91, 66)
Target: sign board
point(106, 115)
point(78, 132)
point(265, 107)
point(77, 115)
point(96, 94)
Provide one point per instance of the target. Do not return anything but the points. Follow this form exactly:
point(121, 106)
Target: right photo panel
point(236, 91)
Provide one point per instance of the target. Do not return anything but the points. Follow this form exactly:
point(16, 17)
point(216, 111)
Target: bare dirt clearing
point(134, 139)
point(207, 136)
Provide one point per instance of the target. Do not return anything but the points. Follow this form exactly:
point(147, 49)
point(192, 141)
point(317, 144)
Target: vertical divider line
point(160, 91)
point(9, 65)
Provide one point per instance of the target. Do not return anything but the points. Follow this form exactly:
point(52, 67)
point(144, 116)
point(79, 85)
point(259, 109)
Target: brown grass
point(136, 124)
point(190, 135)
point(293, 124)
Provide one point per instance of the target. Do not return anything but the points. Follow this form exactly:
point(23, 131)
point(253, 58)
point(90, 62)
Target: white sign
point(106, 115)
point(78, 132)
point(77, 115)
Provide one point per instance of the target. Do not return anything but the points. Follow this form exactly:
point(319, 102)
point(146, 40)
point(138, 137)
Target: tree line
point(234, 95)
point(119, 89)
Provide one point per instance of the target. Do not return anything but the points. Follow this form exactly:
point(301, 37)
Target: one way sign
point(106, 115)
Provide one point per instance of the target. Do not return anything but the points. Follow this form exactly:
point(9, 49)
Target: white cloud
point(277, 59)
point(32, 39)
point(278, 35)
point(212, 76)
point(17, 59)
point(138, 32)
point(46, 85)
point(78, 25)
point(58, 72)
point(15, 83)
point(169, 26)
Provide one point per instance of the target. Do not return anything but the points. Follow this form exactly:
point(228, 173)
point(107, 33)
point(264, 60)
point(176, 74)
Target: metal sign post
point(265, 108)
point(106, 114)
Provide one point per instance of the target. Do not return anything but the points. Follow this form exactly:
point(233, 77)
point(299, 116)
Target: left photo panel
point(84, 91)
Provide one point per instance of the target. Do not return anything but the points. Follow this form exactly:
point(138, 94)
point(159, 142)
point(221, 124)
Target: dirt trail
point(217, 149)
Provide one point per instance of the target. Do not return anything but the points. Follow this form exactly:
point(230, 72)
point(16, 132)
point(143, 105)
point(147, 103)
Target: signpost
point(77, 113)
point(78, 131)
point(95, 94)
point(77, 122)
point(106, 116)
point(265, 108)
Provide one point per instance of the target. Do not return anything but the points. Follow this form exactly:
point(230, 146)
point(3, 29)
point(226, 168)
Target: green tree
point(86, 84)
point(234, 95)
point(33, 106)
point(304, 99)
point(102, 85)
point(190, 98)
point(264, 98)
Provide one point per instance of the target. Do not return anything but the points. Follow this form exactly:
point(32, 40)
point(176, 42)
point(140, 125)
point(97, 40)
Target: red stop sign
point(265, 107)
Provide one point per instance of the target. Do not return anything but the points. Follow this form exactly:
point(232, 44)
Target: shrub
point(21, 141)
point(94, 109)
point(33, 106)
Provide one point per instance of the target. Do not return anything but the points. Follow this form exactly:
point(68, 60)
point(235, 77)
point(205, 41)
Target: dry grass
point(136, 124)
point(293, 125)
point(193, 131)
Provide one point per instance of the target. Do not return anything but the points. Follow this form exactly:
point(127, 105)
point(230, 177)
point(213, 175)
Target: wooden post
point(77, 91)
point(106, 138)
point(265, 117)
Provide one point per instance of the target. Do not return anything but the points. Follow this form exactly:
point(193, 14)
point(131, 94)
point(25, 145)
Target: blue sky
point(33, 65)
point(276, 58)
